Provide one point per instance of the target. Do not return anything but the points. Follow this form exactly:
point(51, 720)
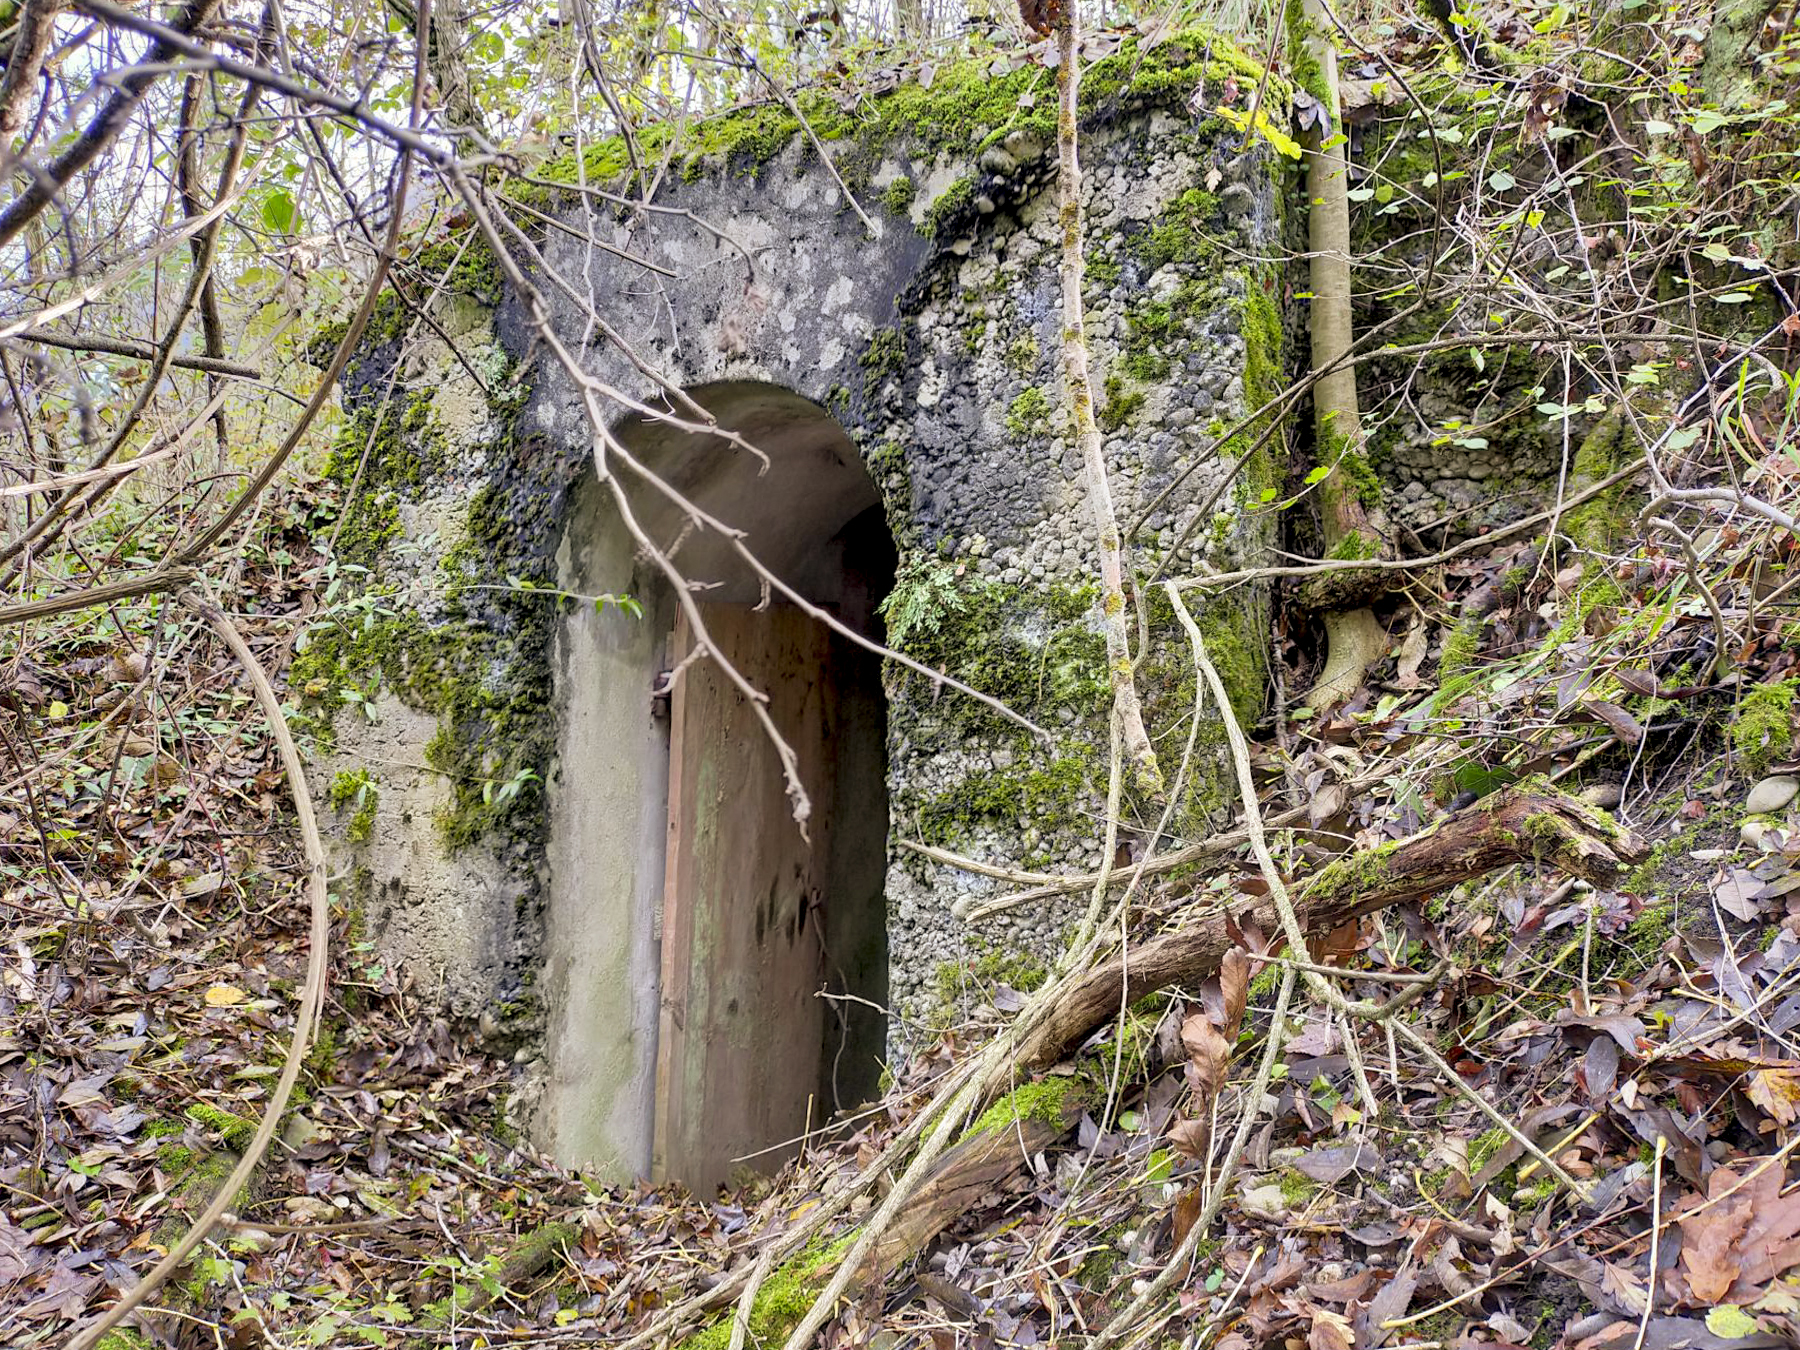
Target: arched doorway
point(693, 927)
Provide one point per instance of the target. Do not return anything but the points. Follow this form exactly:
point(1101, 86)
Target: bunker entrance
point(748, 920)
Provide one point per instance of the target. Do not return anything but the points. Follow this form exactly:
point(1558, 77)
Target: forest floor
point(155, 932)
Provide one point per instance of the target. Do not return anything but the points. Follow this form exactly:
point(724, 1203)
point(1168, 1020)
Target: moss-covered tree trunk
point(1078, 393)
point(1354, 638)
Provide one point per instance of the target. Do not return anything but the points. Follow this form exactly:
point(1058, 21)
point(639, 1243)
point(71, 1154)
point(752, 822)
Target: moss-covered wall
point(934, 346)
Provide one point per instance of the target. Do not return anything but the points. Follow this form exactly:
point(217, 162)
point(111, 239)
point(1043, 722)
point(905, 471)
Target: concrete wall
point(928, 356)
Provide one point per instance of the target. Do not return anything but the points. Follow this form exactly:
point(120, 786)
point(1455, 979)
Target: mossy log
point(997, 1145)
point(1530, 822)
point(522, 1260)
point(1031, 1117)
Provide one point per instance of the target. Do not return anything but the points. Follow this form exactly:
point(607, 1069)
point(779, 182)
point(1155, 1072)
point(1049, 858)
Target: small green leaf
point(1502, 181)
point(279, 212)
point(1656, 128)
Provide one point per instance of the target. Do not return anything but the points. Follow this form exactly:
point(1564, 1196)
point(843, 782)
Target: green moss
point(123, 1338)
point(1484, 1147)
point(236, 1130)
point(198, 1182)
point(462, 264)
point(885, 356)
point(1046, 795)
point(1592, 524)
point(1049, 1101)
point(1180, 234)
point(1122, 404)
point(1355, 546)
point(1103, 272)
point(782, 1301)
point(356, 789)
point(176, 1159)
point(1238, 656)
point(899, 194)
point(1022, 353)
point(1297, 1189)
point(1303, 67)
point(1764, 729)
point(952, 203)
point(1263, 380)
point(1019, 970)
point(1353, 875)
point(1029, 414)
point(1461, 648)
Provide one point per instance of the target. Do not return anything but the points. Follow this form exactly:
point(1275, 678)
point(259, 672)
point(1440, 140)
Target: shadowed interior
point(692, 924)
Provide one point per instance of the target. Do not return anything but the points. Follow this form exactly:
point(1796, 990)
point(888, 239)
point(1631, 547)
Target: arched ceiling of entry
point(792, 515)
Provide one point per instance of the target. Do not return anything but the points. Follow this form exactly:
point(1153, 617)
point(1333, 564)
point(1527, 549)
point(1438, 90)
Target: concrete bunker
point(692, 927)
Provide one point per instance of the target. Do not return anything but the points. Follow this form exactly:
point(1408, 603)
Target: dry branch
point(143, 351)
point(129, 87)
point(1530, 823)
point(968, 1171)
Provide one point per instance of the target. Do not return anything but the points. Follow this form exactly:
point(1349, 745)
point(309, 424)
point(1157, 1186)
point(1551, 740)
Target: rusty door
point(740, 1029)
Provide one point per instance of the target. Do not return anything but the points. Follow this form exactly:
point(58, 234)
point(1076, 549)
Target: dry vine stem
point(1078, 397)
point(312, 993)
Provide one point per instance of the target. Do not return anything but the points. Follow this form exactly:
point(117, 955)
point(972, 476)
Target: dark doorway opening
point(758, 920)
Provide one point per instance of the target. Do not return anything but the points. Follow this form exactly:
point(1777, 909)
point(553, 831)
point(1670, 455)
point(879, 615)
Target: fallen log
point(1530, 822)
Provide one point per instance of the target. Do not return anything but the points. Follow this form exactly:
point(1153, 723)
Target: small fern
point(924, 595)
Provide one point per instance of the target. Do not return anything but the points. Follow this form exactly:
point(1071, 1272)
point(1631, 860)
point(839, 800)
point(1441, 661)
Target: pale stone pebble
point(1772, 794)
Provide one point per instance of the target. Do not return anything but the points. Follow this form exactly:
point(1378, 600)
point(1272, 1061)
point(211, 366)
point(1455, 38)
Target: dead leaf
point(1413, 649)
point(1209, 1056)
point(1187, 1213)
point(1330, 1331)
point(1623, 724)
point(1777, 1091)
point(1736, 891)
point(225, 996)
point(1189, 1138)
point(1708, 1258)
point(1626, 1287)
point(1390, 1302)
point(1334, 1163)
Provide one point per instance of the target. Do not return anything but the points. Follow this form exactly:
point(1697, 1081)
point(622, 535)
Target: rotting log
point(523, 1259)
point(1531, 822)
point(990, 1154)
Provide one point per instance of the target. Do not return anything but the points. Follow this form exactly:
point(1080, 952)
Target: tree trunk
point(1348, 495)
point(449, 68)
point(1079, 397)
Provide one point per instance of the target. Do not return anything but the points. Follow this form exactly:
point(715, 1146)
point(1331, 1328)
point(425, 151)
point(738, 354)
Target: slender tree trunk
point(24, 63)
point(1354, 638)
point(449, 67)
point(1079, 396)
